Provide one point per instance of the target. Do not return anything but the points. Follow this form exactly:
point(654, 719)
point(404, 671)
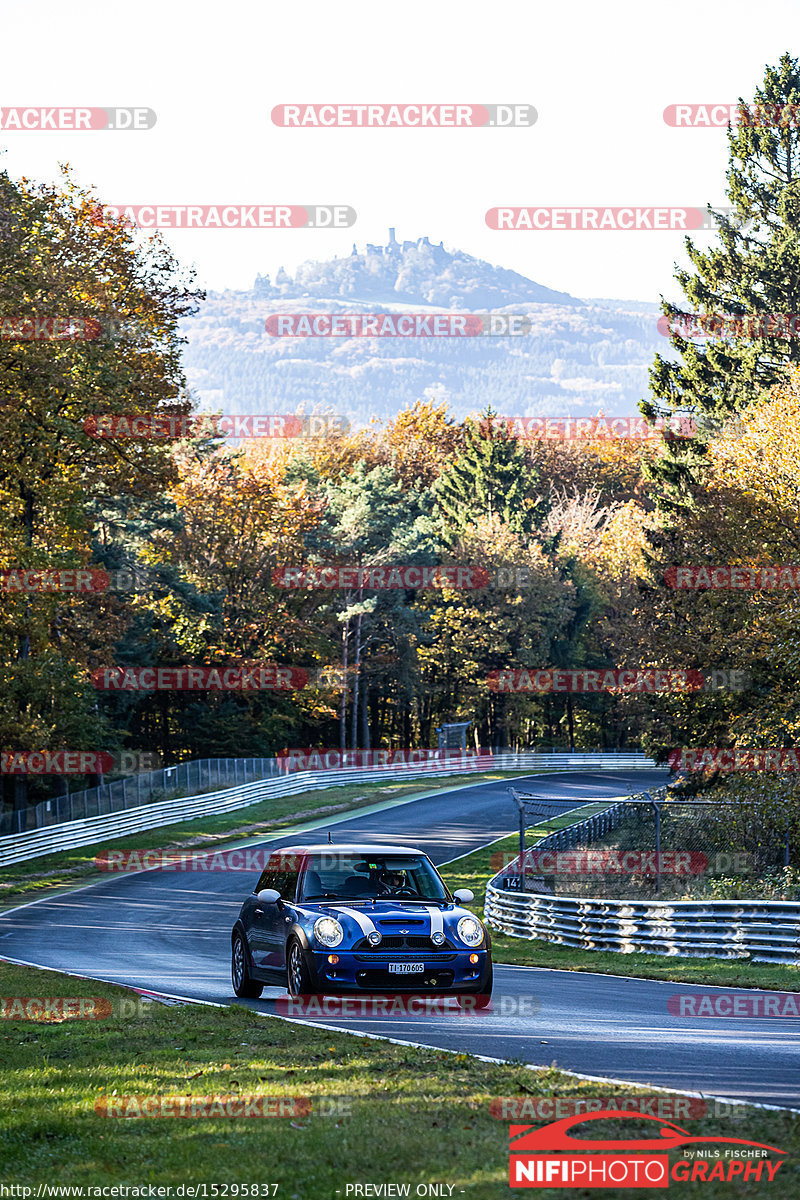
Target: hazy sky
point(599, 75)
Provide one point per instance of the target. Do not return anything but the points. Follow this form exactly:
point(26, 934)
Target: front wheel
point(298, 978)
point(243, 985)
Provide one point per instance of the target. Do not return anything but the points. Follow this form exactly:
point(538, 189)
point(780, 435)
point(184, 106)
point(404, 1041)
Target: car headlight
point(470, 931)
point(328, 931)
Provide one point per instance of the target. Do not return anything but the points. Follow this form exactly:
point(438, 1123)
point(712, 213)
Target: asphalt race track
point(170, 931)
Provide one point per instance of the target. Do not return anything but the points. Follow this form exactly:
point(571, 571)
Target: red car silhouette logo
point(556, 1137)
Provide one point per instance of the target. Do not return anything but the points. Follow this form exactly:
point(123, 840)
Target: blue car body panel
point(406, 958)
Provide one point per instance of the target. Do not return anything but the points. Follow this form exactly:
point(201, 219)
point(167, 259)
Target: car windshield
point(348, 876)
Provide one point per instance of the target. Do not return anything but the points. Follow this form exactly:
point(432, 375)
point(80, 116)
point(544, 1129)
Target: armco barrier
point(200, 776)
point(766, 930)
point(72, 834)
point(763, 930)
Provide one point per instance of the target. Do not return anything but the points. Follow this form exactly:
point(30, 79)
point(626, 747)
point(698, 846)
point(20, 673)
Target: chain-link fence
point(184, 779)
point(660, 845)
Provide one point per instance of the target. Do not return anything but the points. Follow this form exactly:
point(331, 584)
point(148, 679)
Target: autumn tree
point(88, 325)
point(420, 443)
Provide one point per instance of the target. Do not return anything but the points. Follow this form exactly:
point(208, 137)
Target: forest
point(584, 622)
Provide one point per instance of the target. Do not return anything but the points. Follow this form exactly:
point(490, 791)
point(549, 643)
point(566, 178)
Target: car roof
point(349, 848)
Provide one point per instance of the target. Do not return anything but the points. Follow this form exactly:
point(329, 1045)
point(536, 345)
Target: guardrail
point(761, 930)
point(198, 776)
point(72, 834)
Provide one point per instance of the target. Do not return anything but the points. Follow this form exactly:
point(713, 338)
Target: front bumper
point(357, 971)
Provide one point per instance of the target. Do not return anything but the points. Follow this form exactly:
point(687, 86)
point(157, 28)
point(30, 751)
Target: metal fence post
point(521, 811)
point(657, 815)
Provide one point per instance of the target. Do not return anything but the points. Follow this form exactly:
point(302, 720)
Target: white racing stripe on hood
point(366, 926)
point(437, 920)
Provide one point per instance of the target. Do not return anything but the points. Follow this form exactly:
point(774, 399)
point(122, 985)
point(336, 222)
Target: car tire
point(478, 1000)
point(243, 985)
point(298, 978)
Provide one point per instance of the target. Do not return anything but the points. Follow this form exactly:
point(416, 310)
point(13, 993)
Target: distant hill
point(409, 273)
point(580, 356)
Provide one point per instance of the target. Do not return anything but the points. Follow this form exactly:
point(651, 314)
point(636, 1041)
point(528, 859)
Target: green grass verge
point(402, 1115)
point(474, 870)
point(38, 876)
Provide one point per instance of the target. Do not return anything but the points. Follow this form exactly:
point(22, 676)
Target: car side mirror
point(463, 896)
point(268, 896)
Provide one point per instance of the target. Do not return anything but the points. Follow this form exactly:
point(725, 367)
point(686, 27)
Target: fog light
point(375, 938)
point(473, 958)
point(437, 938)
point(334, 958)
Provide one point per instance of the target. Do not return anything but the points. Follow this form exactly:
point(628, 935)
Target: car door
point(274, 920)
point(258, 919)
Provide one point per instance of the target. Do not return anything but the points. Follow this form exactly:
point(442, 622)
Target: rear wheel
point(298, 978)
point(243, 985)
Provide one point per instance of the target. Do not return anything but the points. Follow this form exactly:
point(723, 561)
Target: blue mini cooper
point(352, 918)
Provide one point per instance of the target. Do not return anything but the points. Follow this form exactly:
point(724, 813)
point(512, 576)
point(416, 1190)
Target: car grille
point(409, 942)
point(377, 956)
point(430, 978)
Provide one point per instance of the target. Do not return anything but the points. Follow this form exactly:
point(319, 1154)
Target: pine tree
point(755, 269)
point(490, 478)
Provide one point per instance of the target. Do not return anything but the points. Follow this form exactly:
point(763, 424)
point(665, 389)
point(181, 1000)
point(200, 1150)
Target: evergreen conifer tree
point(754, 271)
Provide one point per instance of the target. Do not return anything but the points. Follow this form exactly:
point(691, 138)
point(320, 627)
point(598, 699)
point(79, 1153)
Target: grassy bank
point(397, 1114)
point(474, 871)
point(39, 876)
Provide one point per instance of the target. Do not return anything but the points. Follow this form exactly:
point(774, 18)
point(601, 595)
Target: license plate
point(406, 968)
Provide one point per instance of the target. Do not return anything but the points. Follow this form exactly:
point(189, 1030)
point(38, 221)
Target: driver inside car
point(390, 882)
